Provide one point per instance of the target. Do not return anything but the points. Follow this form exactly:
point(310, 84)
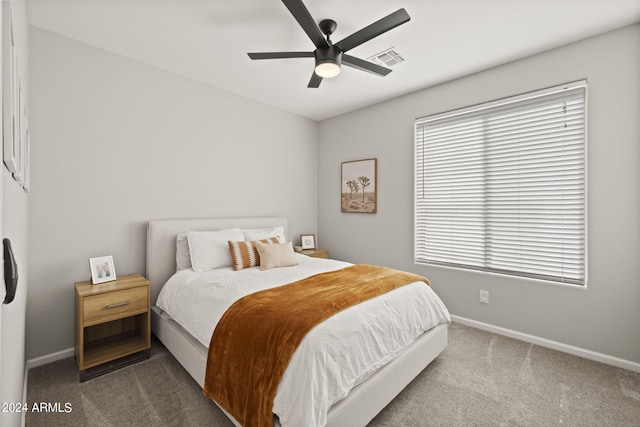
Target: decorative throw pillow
point(183, 258)
point(209, 249)
point(276, 255)
point(245, 255)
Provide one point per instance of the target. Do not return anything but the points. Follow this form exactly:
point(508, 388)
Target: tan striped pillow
point(245, 255)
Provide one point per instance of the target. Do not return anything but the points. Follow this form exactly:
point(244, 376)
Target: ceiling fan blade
point(280, 55)
point(381, 26)
point(315, 80)
point(363, 65)
point(304, 18)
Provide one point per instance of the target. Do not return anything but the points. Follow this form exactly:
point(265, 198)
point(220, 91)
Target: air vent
point(387, 58)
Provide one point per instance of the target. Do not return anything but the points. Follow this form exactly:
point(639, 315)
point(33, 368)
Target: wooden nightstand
point(112, 324)
point(316, 253)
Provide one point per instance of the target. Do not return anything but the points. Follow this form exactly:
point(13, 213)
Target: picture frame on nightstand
point(308, 241)
point(102, 269)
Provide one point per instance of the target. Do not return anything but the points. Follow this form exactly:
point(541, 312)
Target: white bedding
point(335, 356)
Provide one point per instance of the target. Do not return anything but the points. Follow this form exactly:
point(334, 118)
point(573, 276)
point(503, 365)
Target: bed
point(362, 402)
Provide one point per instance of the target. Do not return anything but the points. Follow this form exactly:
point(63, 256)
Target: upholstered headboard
point(161, 242)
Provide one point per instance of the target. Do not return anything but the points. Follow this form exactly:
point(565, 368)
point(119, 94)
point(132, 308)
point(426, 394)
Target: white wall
point(117, 143)
point(15, 203)
point(603, 318)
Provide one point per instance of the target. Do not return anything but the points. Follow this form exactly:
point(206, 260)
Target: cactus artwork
point(358, 185)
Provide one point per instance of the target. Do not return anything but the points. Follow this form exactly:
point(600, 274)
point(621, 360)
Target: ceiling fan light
point(328, 61)
point(327, 69)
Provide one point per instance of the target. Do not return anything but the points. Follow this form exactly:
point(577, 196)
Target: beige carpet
point(481, 379)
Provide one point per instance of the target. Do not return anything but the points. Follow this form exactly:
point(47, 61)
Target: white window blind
point(500, 187)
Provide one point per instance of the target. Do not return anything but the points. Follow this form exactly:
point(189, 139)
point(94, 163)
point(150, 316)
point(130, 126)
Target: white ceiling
point(207, 40)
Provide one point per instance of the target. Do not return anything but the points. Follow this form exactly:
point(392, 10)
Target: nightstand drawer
point(114, 305)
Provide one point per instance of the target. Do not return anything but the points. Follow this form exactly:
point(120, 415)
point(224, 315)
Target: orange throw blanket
point(257, 336)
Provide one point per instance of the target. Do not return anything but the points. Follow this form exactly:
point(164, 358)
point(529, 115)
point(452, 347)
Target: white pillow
point(264, 233)
point(276, 255)
point(183, 257)
point(209, 249)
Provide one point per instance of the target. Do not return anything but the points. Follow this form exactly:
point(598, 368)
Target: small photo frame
point(308, 241)
point(102, 269)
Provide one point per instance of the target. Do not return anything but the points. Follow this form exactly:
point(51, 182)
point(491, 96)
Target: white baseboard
point(555, 345)
point(48, 358)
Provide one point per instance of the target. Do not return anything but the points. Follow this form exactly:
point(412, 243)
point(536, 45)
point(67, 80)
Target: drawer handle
point(120, 304)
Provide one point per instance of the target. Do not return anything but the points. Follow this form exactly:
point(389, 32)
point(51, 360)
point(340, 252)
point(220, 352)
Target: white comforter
point(335, 356)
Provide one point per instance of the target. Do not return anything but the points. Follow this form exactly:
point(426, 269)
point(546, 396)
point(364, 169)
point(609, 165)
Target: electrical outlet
point(484, 297)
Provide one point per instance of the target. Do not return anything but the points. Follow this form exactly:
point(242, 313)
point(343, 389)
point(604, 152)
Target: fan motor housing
point(328, 61)
point(328, 54)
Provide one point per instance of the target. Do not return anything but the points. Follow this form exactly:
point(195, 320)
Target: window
point(500, 187)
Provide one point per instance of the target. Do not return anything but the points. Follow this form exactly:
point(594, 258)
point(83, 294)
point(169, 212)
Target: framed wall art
point(18, 138)
point(21, 175)
point(10, 89)
point(358, 186)
point(27, 162)
point(16, 144)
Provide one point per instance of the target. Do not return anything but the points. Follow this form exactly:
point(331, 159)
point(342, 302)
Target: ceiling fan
point(330, 56)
